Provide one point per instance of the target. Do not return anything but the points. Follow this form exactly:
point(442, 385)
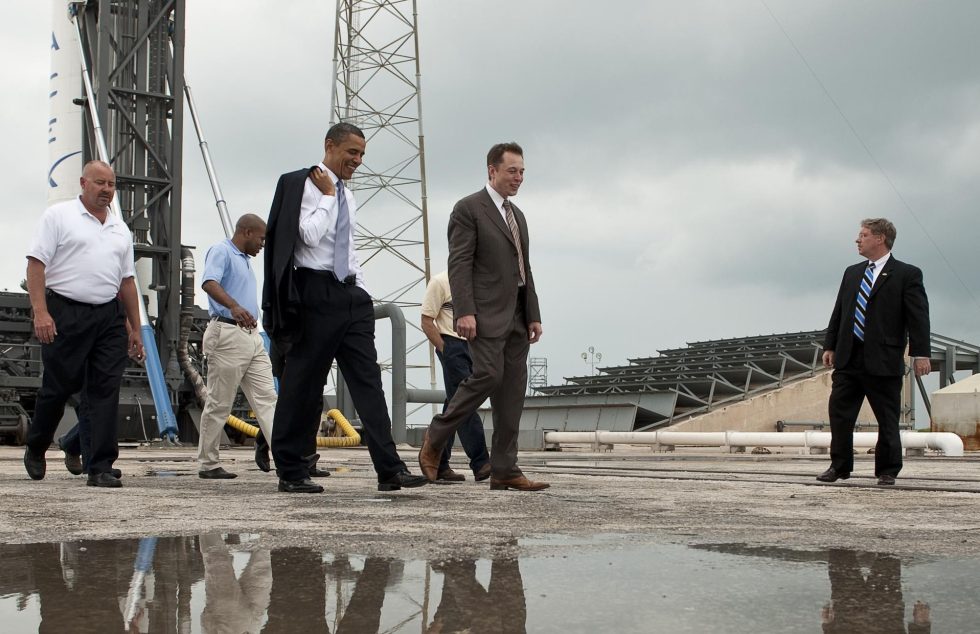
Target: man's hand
point(322, 181)
point(466, 327)
point(243, 318)
point(828, 358)
point(44, 328)
point(136, 352)
point(922, 366)
point(534, 331)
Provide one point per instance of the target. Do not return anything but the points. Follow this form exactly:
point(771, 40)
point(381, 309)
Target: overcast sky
point(688, 178)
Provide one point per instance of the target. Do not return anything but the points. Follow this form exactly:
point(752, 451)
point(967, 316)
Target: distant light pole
point(591, 357)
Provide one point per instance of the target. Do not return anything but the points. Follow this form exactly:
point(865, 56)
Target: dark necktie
point(515, 232)
point(864, 292)
point(341, 247)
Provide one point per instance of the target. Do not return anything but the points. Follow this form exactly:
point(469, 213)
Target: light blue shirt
point(230, 268)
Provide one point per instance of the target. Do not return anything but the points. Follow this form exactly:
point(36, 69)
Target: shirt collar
point(110, 218)
point(880, 262)
point(495, 196)
point(234, 248)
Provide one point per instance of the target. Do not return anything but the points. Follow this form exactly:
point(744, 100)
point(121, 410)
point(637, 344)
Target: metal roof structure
point(681, 383)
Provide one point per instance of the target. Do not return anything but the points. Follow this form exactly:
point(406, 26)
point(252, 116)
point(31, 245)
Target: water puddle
point(608, 583)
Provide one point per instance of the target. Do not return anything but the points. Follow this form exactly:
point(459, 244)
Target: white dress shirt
point(318, 229)
point(498, 200)
point(879, 265)
point(84, 259)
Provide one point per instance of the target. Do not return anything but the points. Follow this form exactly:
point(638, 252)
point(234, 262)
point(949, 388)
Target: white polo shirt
point(84, 259)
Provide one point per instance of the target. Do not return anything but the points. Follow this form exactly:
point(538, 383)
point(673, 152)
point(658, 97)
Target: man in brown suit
point(496, 310)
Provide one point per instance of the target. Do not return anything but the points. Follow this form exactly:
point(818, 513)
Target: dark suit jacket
point(483, 268)
point(898, 311)
point(280, 298)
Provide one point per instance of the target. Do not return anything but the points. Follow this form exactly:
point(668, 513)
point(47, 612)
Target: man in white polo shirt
point(81, 260)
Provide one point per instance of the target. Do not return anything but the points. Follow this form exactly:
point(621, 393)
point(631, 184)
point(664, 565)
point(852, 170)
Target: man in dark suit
point(881, 305)
point(496, 309)
point(315, 309)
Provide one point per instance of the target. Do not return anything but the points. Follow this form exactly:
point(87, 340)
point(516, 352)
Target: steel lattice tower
point(377, 87)
point(135, 50)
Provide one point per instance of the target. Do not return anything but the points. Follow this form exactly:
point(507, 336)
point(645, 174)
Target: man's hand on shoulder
point(466, 327)
point(534, 331)
point(323, 181)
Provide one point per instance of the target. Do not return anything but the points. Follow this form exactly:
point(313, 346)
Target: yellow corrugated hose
point(350, 438)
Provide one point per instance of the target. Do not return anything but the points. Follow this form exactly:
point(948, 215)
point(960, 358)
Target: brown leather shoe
point(483, 473)
point(451, 476)
point(429, 459)
point(520, 483)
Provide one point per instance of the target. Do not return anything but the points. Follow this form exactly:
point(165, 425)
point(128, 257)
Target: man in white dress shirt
point(81, 260)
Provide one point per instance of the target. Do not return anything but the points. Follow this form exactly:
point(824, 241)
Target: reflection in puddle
point(234, 583)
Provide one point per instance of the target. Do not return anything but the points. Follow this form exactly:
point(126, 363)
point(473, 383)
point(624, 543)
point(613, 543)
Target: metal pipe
point(399, 389)
point(166, 421)
point(219, 199)
point(950, 444)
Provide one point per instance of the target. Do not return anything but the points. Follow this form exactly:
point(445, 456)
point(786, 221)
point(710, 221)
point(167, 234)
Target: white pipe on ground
point(950, 444)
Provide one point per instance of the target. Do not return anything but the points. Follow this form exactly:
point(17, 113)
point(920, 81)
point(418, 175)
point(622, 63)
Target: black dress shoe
point(116, 473)
point(216, 474)
point(833, 475)
point(315, 472)
point(105, 480)
point(262, 458)
point(299, 486)
point(35, 464)
point(886, 480)
point(401, 480)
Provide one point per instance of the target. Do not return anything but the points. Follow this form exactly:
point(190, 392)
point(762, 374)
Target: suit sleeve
point(833, 328)
point(270, 297)
point(462, 251)
point(916, 307)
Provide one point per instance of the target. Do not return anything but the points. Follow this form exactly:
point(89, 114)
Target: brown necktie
point(515, 232)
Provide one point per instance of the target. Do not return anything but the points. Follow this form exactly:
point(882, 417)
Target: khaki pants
point(235, 357)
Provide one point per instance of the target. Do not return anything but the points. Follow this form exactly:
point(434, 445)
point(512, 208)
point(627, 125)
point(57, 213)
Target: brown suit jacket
point(483, 269)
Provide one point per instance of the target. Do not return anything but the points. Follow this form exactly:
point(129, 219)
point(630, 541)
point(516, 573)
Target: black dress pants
point(851, 384)
point(91, 341)
point(338, 323)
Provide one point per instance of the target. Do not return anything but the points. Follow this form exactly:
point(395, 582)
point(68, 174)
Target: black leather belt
point(347, 281)
point(225, 320)
point(74, 302)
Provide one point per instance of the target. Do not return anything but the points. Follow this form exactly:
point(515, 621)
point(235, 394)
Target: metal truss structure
point(134, 49)
point(376, 86)
point(538, 372)
point(707, 375)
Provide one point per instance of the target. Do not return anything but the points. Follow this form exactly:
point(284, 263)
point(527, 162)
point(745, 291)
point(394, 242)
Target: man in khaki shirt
point(454, 356)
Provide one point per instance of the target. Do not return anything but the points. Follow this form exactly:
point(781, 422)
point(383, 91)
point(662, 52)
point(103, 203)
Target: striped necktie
point(341, 247)
point(515, 232)
point(864, 292)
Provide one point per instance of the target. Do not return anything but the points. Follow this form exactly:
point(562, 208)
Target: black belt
point(347, 281)
point(225, 320)
point(74, 302)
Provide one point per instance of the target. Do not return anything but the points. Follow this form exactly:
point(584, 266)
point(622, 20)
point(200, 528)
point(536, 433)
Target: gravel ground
point(767, 500)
